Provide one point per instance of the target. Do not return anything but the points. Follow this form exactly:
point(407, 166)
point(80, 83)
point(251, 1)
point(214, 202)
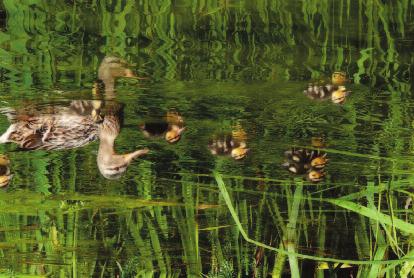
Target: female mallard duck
point(170, 127)
point(54, 127)
point(304, 162)
point(335, 90)
point(234, 144)
point(110, 164)
point(5, 176)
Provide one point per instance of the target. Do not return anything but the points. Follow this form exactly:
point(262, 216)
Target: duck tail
point(10, 113)
point(4, 138)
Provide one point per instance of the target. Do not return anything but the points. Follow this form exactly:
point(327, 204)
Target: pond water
point(206, 139)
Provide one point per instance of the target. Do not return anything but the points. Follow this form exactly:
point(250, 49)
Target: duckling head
point(5, 180)
point(339, 78)
point(339, 96)
point(174, 134)
point(319, 162)
point(4, 160)
point(239, 153)
point(315, 175)
point(5, 176)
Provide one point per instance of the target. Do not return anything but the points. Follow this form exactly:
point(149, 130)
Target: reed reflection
point(170, 127)
point(333, 90)
point(232, 144)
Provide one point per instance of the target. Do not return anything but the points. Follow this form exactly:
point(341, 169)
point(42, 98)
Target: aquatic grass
point(233, 213)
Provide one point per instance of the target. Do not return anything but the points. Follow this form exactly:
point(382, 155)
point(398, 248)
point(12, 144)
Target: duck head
point(111, 68)
point(112, 165)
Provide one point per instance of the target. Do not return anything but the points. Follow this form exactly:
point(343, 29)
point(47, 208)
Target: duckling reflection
point(334, 90)
point(110, 164)
point(234, 144)
point(170, 127)
point(5, 176)
point(305, 162)
point(109, 70)
point(54, 127)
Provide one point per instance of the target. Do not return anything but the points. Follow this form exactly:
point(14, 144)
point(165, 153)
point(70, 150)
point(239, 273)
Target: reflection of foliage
point(298, 122)
point(225, 270)
point(59, 44)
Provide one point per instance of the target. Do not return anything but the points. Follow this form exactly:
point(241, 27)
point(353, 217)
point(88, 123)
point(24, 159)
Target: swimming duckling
point(303, 161)
point(5, 176)
point(112, 165)
point(54, 127)
point(335, 91)
point(233, 145)
point(170, 127)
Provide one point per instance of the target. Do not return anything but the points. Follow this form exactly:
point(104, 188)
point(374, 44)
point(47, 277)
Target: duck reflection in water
point(232, 144)
point(310, 163)
point(109, 70)
point(5, 175)
point(334, 90)
point(110, 164)
point(170, 127)
point(58, 127)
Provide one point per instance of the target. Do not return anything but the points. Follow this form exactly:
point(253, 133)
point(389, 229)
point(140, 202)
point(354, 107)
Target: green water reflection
point(196, 91)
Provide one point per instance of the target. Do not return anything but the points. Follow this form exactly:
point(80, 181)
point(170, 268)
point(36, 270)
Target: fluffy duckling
point(5, 176)
point(112, 165)
point(304, 162)
point(170, 127)
point(334, 91)
point(233, 145)
point(54, 127)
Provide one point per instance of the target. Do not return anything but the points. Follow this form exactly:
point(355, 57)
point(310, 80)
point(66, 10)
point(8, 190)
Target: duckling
point(303, 161)
point(110, 164)
point(54, 127)
point(228, 145)
point(335, 91)
point(171, 127)
point(5, 176)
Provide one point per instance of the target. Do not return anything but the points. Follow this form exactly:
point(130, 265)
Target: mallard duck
point(54, 127)
point(5, 176)
point(303, 161)
point(170, 127)
point(335, 90)
point(110, 164)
